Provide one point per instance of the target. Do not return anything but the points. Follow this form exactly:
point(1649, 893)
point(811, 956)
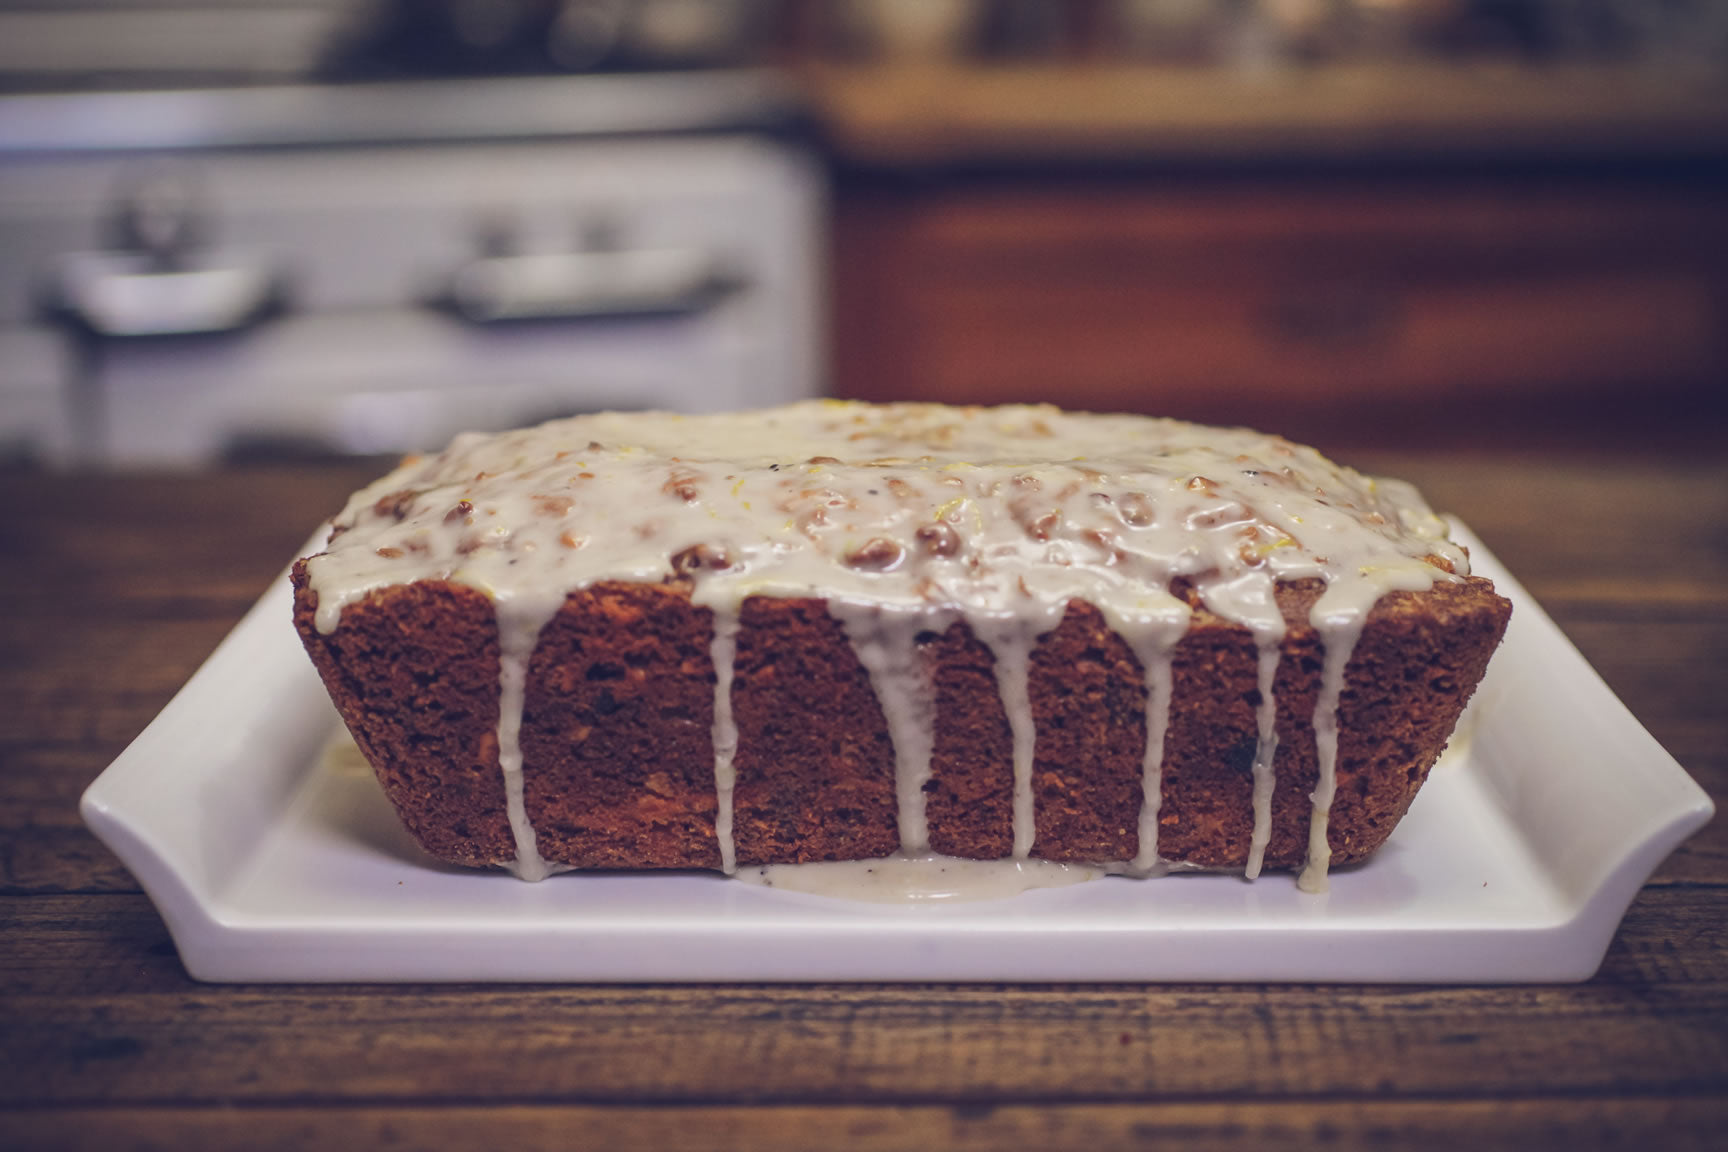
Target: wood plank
point(59, 860)
point(98, 680)
point(1513, 1125)
point(163, 544)
point(100, 1013)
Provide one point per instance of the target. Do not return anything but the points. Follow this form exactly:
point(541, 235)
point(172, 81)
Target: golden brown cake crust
point(617, 724)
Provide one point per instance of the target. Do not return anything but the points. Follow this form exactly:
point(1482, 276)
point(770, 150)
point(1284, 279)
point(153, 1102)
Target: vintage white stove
point(192, 275)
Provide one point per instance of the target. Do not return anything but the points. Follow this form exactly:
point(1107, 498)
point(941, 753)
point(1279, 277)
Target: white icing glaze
point(905, 518)
point(1010, 643)
point(886, 640)
point(1265, 749)
point(516, 645)
point(1152, 638)
point(1338, 648)
point(723, 651)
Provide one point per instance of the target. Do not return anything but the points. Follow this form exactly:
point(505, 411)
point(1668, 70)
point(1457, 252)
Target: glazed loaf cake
point(838, 631)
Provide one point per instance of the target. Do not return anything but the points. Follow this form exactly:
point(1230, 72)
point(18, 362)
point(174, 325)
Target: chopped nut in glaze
point(939, 539)
point(876, 555)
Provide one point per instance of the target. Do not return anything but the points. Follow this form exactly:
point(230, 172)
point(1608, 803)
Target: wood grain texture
point(115, 589)
point(1511, 1125)
point(1400, 310)
point(924, 113)
point(95, 987)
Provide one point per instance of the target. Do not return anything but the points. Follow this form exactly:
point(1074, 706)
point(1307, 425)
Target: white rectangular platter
point(271, 861)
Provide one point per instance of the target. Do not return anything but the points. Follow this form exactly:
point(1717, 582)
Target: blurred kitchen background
point(238, 230)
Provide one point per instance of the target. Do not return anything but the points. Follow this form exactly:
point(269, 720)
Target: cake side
point(414, 676)
point(617, 729)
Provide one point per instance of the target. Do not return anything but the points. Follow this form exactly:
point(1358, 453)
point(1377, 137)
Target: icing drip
point(1010, 643)
point(723, 650)
point(910, 516)
point(1153, 642)
point(1248, 598)
point(516, 640)
point(1152, 767)
point(886, 642)
point(1339, 647)
point(1265, 752)
point(1339, 616)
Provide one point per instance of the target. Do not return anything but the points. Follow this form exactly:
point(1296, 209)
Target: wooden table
point(113, 589)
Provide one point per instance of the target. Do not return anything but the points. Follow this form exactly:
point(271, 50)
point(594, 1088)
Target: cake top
point(984, 512)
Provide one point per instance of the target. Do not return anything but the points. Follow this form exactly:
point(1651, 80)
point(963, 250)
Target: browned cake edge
point(618, 759)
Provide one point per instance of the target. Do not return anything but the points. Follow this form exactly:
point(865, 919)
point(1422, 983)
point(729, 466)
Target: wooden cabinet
point(1228, 299)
